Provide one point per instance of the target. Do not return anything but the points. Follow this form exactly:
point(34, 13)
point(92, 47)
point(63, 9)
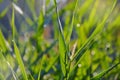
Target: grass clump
point(79, 41)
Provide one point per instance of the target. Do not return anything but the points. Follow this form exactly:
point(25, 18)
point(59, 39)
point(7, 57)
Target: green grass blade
point(92, 14)
point(31, 5)
point(85, 7)
point(40, 67)
point(72, 23)
point(3, 45)
point(100, 75)
point(40, 24)
point(101, 25)
point(3, 13)
point(20, 62)
point(52, 63)
point(14, 31)
point(62, 45)
point(62, 51)
point(87, 44)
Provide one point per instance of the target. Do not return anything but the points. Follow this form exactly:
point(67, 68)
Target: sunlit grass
point(83, 42)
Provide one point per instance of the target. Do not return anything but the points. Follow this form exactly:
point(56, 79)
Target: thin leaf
point(41, 67)
point(31, 5)
point(62, 44)
point(3, 45)
point(85, 7)
point(72, 23)
point(62, 51)
point(40, 24)
point(14, 31)
point(20, 62)
point(52, 63)
point(100, 75)
point(3, 13)
point(92, 14)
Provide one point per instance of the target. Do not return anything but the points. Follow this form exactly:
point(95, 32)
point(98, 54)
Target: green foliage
point(20, 62)
point(3, 45)
point(100, 75)
point(64, 42)
point(3, 13)
point(13, 24)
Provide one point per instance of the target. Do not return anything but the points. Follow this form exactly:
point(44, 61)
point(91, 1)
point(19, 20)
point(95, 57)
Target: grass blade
point(52, 63)
point(14, 31)
point(41, 67)
point(20, 62)
point(91, 20)
point(72, 23)
point(31, 4)
point(62, 45)
point(84, 7)
point(100, 75)
point(62, 51)
point(40, 25)
point(3, 45)
point(3, 13)
point(89, 41)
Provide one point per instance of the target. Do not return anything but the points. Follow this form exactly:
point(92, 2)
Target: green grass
point(20, 62)
point(84, 44)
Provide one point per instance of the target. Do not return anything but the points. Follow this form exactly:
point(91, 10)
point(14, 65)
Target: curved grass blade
point(100, 75)
point(20, 62)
